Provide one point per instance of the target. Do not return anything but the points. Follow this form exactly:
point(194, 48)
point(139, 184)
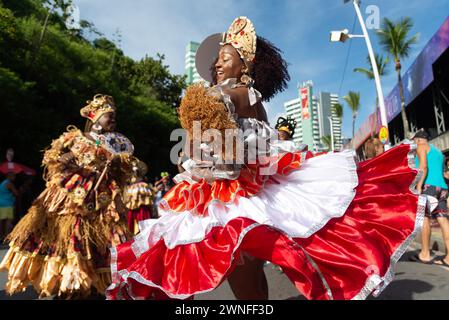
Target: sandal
point(442, 263)
point(416, 258)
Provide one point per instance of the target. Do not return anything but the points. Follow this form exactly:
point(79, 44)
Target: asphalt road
point(413, 281)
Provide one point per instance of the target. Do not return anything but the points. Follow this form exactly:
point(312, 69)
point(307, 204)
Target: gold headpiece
point(100, 105)
point(286, 124)
point(242, 36)
point(286, 129)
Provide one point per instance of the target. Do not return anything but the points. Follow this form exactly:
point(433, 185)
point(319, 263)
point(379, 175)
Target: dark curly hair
point(269, 71)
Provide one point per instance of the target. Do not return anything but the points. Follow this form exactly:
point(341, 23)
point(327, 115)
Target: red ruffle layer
point(337, 262)
point(196, 197)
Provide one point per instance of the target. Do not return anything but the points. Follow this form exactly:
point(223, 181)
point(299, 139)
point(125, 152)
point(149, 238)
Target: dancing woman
point(336, 228)
point(61, 245)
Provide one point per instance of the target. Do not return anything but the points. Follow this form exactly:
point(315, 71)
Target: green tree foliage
point(41, 92)
point(382, 67)
point(396, 40)
point(327, 141)
point(353, 102)
point(338, 109)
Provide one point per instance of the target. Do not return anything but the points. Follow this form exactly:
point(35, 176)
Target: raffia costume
point(61, 245)
point(138, 198)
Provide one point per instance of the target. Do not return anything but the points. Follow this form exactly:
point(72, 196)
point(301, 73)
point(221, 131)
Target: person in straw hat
point(61, 245)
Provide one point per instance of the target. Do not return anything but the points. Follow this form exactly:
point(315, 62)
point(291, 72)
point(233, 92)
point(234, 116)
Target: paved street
point(414, 281)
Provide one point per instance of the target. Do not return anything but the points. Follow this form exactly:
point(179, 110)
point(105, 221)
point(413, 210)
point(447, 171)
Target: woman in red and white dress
point(336, 228)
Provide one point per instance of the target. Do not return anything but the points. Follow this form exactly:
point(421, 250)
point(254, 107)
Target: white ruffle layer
point(300, 205)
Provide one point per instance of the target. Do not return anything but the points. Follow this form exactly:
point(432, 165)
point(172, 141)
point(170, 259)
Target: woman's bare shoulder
point(237, 94)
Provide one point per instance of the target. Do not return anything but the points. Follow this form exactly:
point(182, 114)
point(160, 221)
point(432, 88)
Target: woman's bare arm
point(422, 157)
point(240, 99)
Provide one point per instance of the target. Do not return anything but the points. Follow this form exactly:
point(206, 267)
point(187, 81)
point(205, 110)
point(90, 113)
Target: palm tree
point(369, 73)
point(394, 38)
point(353, 102)
point(327, 141)
point(337, 109)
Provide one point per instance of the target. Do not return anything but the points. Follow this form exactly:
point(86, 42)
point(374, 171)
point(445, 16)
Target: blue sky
point(300, 28)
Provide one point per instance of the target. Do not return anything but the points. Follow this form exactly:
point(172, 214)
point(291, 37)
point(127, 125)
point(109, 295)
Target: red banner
point(305, 103)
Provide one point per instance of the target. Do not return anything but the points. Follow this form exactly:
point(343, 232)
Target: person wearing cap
point(336, 228)
point(61, 245)
point(431, 161)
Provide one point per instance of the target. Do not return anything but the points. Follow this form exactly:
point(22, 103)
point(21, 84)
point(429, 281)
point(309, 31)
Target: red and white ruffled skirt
point(335, 228)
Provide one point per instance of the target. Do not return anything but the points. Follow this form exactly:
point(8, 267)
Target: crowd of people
point(100, 228)
point(15, 192)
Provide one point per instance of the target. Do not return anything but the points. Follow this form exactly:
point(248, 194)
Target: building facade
point(312, 116)
point(190, 69)
point(293, 110)
point(330, 124)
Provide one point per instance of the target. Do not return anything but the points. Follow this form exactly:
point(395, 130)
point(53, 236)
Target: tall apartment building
point(326, 111)
point(293, 110)
point(190, 69)
point(312, 116)
point(305, 111)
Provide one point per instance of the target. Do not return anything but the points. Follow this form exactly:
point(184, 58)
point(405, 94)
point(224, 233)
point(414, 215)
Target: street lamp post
point(344, 35)
point(332, 133)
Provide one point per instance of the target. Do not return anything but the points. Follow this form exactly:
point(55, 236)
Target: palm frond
point(338, 109)
point(368, 73)
point(327, 141)
point(353, 101)
point(406, 49)
point(382, 65)
point(394, 37)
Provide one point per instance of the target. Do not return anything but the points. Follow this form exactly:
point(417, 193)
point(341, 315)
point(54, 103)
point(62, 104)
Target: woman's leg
point(444, 225)
point(426, 232)
point(248, 281)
